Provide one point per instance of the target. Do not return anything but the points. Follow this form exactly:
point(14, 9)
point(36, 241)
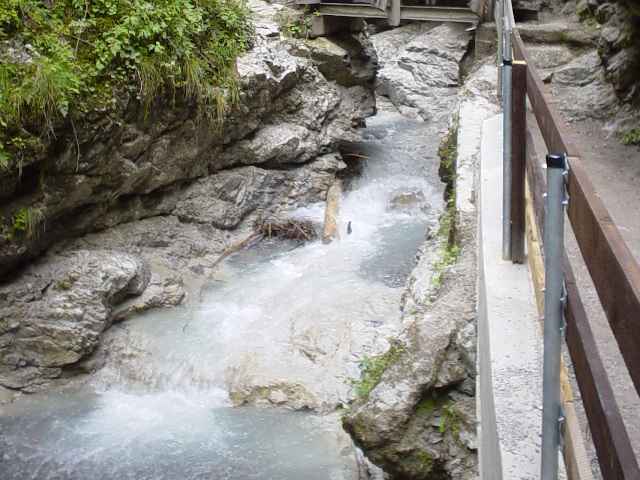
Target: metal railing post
point(500, 32)
point(507, 112)
point(553, 323)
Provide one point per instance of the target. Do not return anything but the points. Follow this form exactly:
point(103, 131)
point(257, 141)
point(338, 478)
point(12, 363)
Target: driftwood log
point(330, 230)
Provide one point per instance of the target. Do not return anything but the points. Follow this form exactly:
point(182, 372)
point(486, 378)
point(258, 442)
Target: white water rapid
point(279, 324)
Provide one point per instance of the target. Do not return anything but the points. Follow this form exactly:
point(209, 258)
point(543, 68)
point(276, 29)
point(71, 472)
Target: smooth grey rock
point(345, 59)
point(7, 395)
point(574, 34)
point(424, 72)
point(171, 250)
point(581, 71)
point(549, 56)
point(54, 314)
point(223, 200)
point(581, 90)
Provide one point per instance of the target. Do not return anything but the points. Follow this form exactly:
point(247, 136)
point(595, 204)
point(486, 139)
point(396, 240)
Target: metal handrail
point(615, 273)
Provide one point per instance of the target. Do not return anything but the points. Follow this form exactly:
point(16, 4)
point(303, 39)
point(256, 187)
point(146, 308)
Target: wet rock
point(7, 395)
point(423, 72)
point(256, 390)
point(65, 324)
point(54, 314)
point(410, 202)
point(225, 199)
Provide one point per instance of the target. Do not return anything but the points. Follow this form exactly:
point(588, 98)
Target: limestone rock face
point(619, 48)
point(567, 60)
point(421, 69)
point(582, 90)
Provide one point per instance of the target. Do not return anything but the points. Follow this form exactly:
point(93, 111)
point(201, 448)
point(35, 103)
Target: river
point(280, 323)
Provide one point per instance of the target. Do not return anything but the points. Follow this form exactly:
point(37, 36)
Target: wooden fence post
point(518, 160)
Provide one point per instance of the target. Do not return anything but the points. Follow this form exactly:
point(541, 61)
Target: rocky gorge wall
point(419, 420)
point(154, 197)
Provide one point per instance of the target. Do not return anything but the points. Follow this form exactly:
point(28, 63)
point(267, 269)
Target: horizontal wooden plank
point(615, 454)
point(553, 129)
point(614, 271)
point(435, 14)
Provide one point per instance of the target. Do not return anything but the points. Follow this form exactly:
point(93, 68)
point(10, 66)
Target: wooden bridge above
point(396, 10)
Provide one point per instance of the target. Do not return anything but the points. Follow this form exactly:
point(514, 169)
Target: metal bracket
point(562, 421)
point(563, 318)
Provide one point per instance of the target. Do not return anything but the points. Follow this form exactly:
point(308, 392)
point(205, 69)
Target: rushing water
point(160, 408)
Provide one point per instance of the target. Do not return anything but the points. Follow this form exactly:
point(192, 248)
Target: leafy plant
point(587, 16)
point(28, 220)
point(294, 24)
point(75, 56)
point(632, 137)
point(447, 257)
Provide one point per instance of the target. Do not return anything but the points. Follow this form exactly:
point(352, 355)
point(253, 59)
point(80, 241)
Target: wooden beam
point(425, 14)
point(615, 454)
point(518, 160)
point(394, 16)
point(381, 5)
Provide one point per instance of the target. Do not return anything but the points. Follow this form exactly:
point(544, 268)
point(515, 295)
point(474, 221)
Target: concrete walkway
point(509, 336)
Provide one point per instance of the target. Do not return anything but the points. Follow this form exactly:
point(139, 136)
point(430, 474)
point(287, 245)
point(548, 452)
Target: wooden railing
point(615, 273)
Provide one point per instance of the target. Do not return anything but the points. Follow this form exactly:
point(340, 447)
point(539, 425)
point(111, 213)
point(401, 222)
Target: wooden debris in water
point(294, 229)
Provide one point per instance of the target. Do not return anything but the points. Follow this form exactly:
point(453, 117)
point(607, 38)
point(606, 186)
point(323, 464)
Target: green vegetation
point(587, 16)
point(372, 369)
point(632, 137)
point(435, 404)
point(449, 419)
point(66, 58)
point(294, 23)
point(447, 152)
point(28, 220)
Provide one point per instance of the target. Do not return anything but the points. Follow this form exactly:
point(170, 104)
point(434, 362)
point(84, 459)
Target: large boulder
point(53, 315)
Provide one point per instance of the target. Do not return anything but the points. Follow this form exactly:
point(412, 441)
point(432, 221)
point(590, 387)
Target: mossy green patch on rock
point(372, 369)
